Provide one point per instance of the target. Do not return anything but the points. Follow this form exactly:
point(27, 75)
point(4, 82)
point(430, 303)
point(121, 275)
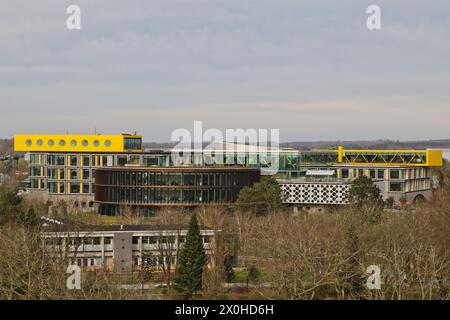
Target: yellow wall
point(434, 157)
point(117, 143)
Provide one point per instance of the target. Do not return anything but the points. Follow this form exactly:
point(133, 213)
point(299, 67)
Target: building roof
point(107, 143)
point(67, 225)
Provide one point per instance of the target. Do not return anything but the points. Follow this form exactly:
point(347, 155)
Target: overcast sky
point(309, 68)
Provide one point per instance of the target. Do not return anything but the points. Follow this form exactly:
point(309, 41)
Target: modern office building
point(62, 168)
point(148, 188)
point(118, 248)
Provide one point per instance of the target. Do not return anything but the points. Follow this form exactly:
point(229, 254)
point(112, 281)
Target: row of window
point(63, 142)
point(156, 195)
point(61, 187)
point(72, 160)
point(55, 173)
point(78, 241)
point(165, 239)
point(108, 240)
point(137, 178)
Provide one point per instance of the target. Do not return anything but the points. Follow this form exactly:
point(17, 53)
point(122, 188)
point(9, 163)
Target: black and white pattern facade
point(315, 193)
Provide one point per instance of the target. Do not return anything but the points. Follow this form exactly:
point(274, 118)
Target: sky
point(311, 69)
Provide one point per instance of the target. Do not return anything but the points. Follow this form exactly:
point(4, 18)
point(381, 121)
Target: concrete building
point(62, 167)
point(118, 248)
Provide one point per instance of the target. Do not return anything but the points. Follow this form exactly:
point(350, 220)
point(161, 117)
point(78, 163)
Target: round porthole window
point(96, 143)
point(39, 142)
point(62, 143)
point(51, 143)
point(85, 143)
point(73, 143)
point(28, 142)
point(108, 143)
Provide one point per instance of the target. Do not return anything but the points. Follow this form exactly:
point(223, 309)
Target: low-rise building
point(118, 248)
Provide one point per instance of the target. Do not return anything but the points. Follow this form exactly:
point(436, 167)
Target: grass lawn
point(240, 274)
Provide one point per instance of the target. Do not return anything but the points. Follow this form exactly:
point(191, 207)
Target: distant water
point(446, 154)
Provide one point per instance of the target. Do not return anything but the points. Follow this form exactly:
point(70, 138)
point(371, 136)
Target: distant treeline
point(376, 144)
point(7, 145)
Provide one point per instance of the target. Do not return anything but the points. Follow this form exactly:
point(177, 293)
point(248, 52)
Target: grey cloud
point(153, 66)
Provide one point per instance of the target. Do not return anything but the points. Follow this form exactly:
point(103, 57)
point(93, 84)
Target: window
point(395, 186)
point(28, 142)
point(86, 161)
point(121, 160)
point(35, 171)
point(380, 174)
point(86, 174)
point(85, 187)
point(62, 143)
point(40, 142)
point(372, 173)
point(74, 188)
point(96, 143)
point(135, 240)
point(133, 143)
point(34, 183)
point(53, 173)
point(84, 143)
point(345, 173)
point(107, 143)
point(394, 174)
point(73, 174)
point(34, 159)
point(73, 161)
point(153, 161)
point(53, 187)
point(73, 143)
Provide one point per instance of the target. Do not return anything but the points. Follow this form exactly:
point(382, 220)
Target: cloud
point(305, 67)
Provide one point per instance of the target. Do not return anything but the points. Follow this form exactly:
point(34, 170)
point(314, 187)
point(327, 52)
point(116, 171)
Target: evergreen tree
point(191, 262)
point(364, 191)
point(366, 198)
point(261, 197)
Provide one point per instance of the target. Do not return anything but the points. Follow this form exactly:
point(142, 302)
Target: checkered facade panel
point(315, 193)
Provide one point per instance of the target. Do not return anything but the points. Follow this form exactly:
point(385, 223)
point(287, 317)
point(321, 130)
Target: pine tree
point(191, 262)
point(262, 197)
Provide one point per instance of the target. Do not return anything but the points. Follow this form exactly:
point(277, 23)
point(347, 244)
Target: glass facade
point(133, 143)
point(162, 187)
